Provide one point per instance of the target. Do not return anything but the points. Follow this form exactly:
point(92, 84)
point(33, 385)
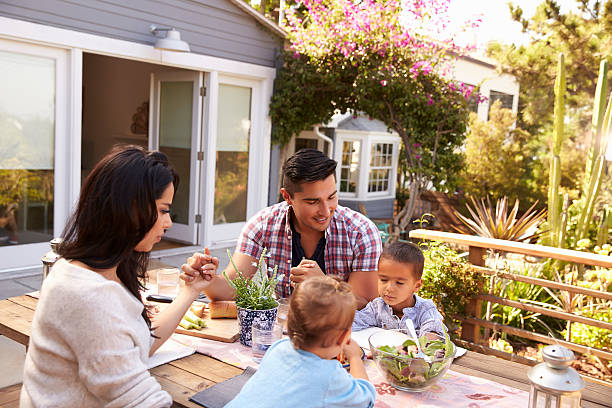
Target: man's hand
point(306, 269)
point(200, 265)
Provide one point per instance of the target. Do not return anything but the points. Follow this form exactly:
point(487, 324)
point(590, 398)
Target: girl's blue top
point(288, 377)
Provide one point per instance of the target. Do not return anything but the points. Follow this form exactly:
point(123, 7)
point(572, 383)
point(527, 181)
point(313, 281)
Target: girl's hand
point(351, 351)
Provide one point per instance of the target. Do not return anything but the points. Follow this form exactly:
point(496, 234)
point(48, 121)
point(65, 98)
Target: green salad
point(403, 368)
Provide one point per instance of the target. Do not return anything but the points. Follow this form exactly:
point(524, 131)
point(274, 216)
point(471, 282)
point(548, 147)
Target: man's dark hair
point(306, 166)
point(406, 253)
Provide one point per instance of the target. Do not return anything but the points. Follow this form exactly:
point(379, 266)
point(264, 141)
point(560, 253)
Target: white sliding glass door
point(33, 123)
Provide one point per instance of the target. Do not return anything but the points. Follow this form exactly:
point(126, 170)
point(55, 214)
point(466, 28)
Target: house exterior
point(367, 153)
point(77, 78)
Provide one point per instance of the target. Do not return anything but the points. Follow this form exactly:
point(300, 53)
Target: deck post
point(469, 331)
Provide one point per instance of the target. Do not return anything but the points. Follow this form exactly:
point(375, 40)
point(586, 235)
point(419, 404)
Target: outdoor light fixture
point(554, 384)
point(172, 42)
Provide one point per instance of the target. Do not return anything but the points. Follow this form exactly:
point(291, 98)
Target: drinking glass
point(283, 310)
point(168, 282)
point(263, 336)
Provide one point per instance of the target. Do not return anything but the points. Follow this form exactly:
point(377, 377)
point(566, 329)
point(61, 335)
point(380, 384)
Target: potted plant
point(254, 298)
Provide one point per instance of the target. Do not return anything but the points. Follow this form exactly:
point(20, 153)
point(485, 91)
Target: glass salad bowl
point(395, 355)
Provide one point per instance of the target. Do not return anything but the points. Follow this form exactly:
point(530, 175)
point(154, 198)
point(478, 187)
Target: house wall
point(216, 28)
point(380, 208)
point(481, 73)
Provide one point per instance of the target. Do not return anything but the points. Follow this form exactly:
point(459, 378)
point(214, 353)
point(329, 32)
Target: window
point(381, 164)
point(27, 135)
point(473, 100)
point(303, 143)
point(231, 175)
point(506, 99)
point(349, 173)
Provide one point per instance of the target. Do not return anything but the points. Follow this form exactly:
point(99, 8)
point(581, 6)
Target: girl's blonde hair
point(319, 308)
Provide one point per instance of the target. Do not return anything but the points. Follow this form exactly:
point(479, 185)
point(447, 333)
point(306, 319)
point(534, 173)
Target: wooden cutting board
point(225, 330)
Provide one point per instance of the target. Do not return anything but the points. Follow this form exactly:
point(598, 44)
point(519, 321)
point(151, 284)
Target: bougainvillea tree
point(388, 60)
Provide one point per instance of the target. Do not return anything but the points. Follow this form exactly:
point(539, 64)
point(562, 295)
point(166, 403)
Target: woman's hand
point(199, 270)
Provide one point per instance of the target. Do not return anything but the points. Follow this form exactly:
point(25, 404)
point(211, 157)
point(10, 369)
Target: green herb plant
point(257, 292)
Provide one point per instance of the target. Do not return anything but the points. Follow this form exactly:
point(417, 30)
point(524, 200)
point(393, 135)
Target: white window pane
point(27, 137)
point(232, 161)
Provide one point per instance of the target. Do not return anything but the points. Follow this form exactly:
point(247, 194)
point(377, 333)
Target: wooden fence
point(472, 321)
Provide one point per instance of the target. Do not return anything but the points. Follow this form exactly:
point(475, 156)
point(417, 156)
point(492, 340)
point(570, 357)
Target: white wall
point(475, 73)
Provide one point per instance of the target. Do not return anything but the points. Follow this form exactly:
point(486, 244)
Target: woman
point(91, 336)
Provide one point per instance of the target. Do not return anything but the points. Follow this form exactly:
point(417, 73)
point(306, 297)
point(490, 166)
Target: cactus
point(602, 127)
point(596, 160)
point(554, 207)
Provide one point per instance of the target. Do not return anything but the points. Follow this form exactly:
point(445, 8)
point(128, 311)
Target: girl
point(91, 336)
point(301, 371)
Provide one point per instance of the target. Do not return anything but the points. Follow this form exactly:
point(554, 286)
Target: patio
point(472, 378)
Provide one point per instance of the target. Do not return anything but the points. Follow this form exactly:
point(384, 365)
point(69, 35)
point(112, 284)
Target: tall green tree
point(384, 59)
point(497, 157)
point(584, 37)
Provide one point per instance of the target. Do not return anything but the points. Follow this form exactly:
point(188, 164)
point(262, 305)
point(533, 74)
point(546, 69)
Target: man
point(306, 235)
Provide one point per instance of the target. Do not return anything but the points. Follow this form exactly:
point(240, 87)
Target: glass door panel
point(27, 137)
point(176, 106)
point(176, 116)
point(232, 154)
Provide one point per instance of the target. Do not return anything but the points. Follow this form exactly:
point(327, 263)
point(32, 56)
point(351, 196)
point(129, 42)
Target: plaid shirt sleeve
point(251, 237)
point(367, 249)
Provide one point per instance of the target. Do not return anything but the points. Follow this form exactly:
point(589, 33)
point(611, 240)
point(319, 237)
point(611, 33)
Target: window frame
point(367, 139)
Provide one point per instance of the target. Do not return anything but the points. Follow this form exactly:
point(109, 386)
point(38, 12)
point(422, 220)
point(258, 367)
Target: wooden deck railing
point(471, 323)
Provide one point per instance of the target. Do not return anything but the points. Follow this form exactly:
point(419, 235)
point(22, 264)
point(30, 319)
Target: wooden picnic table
point(184, 377)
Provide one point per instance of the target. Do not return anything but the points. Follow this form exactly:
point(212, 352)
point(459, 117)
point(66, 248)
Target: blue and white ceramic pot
point(246, 318)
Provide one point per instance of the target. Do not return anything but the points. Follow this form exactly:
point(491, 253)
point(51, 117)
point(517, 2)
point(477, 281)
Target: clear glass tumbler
point(168, 282)
point(264, 335)
point(283, 311)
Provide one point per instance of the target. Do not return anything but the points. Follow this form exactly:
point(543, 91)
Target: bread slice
point(198, 308)
point(223, 309)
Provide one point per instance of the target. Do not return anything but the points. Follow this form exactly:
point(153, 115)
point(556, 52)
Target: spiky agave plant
point(497, 222)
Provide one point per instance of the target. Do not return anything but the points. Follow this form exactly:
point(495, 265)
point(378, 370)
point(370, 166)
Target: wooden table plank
point(185, 378)
point(10, 395)
point(207, 367)
point(180, 394)
point(25, 301)
point(15, 321)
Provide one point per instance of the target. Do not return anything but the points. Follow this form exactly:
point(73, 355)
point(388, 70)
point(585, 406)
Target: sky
point(497, 24)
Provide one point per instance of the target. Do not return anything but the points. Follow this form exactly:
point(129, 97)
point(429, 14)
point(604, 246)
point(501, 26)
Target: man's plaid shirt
point(352, 242)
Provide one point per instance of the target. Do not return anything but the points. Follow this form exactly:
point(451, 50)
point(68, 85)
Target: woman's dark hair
point(116, 209)
point(305, 166)
point(406, 253)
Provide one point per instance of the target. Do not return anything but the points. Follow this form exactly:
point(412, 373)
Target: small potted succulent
point(255, 299)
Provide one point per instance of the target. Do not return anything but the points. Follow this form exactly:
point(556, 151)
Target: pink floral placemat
point(453, 390)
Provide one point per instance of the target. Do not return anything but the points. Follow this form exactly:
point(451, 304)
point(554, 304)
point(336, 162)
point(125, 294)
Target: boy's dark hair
point(305, 166)
point(405, 252)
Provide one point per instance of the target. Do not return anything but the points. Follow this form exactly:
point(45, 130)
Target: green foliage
point(448, 280)
point(498, 158)
point(528, 294)
point(257, 292)
point(593, 336)
point(498, 223)
point(584, 37)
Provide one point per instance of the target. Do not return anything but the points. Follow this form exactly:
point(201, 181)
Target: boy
point(399, 277)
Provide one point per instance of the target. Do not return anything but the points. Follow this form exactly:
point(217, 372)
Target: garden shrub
point(448, 280)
